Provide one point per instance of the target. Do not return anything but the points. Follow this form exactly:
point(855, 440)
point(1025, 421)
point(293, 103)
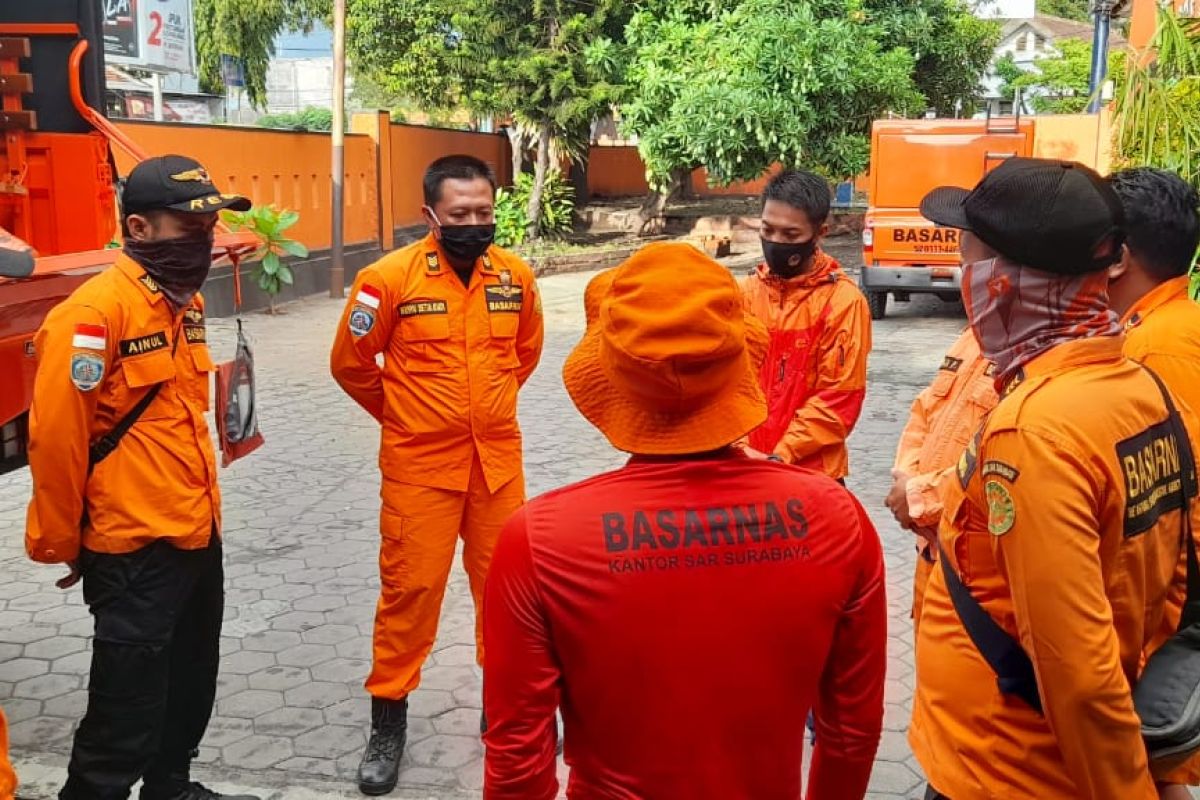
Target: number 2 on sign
point(155, 37)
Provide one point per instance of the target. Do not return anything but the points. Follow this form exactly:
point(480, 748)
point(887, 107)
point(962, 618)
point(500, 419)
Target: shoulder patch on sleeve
point(369, 296)
point(87, 370)
point(969, 460)
point(362, 320)
point(1002, 513)
point(1001, 469)
point(90, 337)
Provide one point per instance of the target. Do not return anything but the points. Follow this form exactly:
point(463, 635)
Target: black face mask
point(179, 266)
point(466, 243)
point(788, 260)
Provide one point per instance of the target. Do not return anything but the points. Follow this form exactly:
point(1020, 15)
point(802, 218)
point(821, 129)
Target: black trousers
point(155, 653)
point(933, 794)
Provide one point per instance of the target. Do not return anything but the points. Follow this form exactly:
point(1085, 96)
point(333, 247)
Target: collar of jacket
point(137, 274)
point(437, 263)
point(1154, 299)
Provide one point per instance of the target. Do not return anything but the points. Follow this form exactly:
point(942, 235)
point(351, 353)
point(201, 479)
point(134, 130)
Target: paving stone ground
point(301, 550)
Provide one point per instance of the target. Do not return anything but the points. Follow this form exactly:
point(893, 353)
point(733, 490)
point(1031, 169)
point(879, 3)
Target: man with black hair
point(1149, 288)
point(125, 487)
point(459, 324)
point(815, 372)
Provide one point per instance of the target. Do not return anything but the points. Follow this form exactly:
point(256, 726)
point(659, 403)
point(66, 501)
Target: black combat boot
point(196, 791)
point(380, 767)
point(172, 780)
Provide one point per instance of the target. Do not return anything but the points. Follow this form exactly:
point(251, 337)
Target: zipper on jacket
point(782, 368)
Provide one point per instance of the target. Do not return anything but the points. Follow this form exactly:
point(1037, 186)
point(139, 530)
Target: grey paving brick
point(225, 730)
point(257, 752)
point(329, 634)
point(279, 679)
point(306, 655)
point(43, 687)
point(250, 703)
point(270, 641)
point(332, 741)
point(316, 694)
point(445, 751)
point(344, 670)
point(247, 662)
point(289, 722)
point(18, 669)
point(57, 647)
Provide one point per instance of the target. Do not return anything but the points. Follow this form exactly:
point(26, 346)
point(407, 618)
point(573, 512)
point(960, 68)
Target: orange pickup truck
point(904, 253)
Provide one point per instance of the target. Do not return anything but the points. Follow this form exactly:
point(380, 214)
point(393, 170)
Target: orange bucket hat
point(669, 363)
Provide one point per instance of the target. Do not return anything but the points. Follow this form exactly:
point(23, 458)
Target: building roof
point(1056, 28)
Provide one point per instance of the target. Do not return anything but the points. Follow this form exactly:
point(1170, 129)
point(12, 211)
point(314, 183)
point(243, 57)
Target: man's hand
point(756, 454)
point(72, 577)
point(897, 500)
point(1173, 791)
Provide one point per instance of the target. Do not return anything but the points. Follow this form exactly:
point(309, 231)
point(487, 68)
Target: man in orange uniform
point(8, 778)
point(815, 372)
point(459, 324)
point(125, 487)
point(658, 602)
point(1054, 564)
point(1149, 288)
point(944, 417)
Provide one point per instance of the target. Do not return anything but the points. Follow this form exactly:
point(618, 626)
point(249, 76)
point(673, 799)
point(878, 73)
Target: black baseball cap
point(177, 183)
point(1055, 216)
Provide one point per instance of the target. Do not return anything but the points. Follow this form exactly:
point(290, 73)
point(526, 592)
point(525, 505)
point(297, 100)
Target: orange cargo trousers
point(8, 779)
point(420, 527)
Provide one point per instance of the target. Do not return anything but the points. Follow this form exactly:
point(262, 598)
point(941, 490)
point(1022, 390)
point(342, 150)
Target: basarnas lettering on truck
point(926, 235)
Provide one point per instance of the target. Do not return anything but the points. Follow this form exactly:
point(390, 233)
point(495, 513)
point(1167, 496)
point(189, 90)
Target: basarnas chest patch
point(87, 370)
point(195, 330)
point(503, 298)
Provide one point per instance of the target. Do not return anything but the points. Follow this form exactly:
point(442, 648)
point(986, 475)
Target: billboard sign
point(155, 35)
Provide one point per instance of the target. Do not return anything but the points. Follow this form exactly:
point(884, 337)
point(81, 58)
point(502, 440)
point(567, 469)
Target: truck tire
point(949, 297)
point(877, 302)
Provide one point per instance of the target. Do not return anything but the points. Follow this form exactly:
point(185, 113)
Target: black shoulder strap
point(1004, 654)
point(1187, 469)
point(103, 447)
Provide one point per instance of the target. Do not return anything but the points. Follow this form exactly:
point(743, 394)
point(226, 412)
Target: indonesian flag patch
point(368, 296)
point(90, 337)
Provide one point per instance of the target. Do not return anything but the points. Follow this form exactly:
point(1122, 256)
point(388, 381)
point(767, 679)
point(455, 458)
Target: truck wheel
point(877, 302)
point(950, 297)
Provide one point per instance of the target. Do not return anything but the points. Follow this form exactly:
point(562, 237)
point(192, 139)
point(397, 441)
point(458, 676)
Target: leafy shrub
point(512, 217)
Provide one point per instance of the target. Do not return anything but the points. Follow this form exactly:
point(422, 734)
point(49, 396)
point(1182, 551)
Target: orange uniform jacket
point(8, 779)
point(453, 359)
point(99, 352)
point(1050, 527)
point(1162, 331)
point(815, 372)
point(944, 417)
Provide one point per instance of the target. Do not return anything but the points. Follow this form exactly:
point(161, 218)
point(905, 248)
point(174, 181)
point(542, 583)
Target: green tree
point(310, 119)
point(1158, 109)
point(1059, 84)
point(551, 64)
point(247, 29)
point(1067, 9)
point(736, 89)
point(951, 46)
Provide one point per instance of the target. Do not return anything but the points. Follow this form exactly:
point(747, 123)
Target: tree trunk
point(655, 204)
point(541, 170)
point(517, 144)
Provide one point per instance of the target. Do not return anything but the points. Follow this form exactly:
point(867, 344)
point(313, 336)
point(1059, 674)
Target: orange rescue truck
point(904, 253)
point(57, 181)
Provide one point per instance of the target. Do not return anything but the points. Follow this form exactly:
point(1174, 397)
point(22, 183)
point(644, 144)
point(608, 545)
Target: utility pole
point(337, 270)
point(1102, 14)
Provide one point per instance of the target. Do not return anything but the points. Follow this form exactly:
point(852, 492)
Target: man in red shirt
point(687, 610)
